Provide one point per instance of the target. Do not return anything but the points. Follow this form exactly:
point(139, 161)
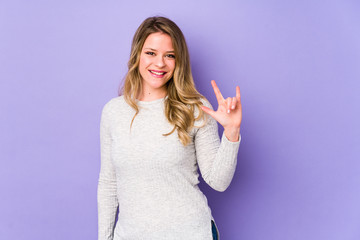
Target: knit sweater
point(153, 179)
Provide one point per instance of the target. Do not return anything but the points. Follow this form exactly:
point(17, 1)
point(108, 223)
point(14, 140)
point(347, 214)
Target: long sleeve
point(217, 160)
point(107, 190)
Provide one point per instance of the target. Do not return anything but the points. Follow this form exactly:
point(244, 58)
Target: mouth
point(156, 73)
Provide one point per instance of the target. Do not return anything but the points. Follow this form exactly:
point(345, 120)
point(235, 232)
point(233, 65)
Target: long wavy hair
point(182, 96)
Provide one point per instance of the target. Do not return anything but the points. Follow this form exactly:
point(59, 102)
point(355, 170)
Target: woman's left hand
point(228, 114)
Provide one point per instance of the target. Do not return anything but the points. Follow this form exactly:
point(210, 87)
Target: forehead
point(159, 41)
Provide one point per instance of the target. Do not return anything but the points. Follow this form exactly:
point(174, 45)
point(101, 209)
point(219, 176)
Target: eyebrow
point(172, 51)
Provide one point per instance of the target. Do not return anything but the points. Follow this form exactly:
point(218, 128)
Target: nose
point(159, 61)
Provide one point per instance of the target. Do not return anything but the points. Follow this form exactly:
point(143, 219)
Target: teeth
point(157, 73)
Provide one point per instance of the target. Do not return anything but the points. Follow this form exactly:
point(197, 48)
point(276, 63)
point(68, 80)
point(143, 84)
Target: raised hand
point(228, 113)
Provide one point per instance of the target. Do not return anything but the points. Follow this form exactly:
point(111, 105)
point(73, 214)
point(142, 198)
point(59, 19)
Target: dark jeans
point(214, 231)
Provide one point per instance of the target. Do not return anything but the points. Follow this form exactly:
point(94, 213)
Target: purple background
point(298, 67)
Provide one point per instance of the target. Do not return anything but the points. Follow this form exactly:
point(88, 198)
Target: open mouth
point(157, 73)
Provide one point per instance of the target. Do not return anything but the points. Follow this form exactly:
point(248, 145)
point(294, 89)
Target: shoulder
point(205, 103)
point(205, 118)
point(114, 104)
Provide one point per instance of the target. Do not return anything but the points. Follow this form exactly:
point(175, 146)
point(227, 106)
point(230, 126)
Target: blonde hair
point(182, 96)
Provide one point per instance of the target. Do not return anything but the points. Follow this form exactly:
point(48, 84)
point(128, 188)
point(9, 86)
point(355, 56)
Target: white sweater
point(153, 179)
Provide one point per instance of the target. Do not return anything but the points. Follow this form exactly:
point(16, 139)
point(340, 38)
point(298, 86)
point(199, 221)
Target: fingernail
point(228, 111)
point(233, 107)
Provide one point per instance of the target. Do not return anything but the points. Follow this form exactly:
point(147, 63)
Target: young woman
point(155, 136)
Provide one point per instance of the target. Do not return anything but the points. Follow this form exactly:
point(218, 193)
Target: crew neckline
point(151, 102)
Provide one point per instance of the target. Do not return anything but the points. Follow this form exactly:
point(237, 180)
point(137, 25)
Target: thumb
point(208, 110)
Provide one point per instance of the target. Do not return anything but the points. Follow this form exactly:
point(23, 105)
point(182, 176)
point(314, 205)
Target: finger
point(228, 104)
point(218, 94)
point(233, 104)
point(238, 93)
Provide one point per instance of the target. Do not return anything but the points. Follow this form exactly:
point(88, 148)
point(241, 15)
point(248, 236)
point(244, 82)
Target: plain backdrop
point(298, 67)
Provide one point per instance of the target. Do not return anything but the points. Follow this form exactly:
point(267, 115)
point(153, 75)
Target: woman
point(155, 136)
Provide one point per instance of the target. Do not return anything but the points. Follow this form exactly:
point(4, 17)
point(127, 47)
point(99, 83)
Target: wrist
point(232, 133)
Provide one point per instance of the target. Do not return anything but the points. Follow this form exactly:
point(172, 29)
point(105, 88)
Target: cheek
point(171, 65)
point(144, 62)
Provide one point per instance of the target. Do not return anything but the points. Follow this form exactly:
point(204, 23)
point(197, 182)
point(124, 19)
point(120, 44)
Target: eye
point(150, 53)
point(171, 55)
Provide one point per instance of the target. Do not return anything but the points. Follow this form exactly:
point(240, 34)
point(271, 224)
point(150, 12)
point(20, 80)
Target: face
point(157, 63)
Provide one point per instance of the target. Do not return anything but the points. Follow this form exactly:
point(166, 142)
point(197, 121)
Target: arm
point(217, 160)
point(106, 192)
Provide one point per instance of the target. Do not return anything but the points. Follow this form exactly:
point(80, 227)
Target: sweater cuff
point(230, 149)
point(224, 138)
